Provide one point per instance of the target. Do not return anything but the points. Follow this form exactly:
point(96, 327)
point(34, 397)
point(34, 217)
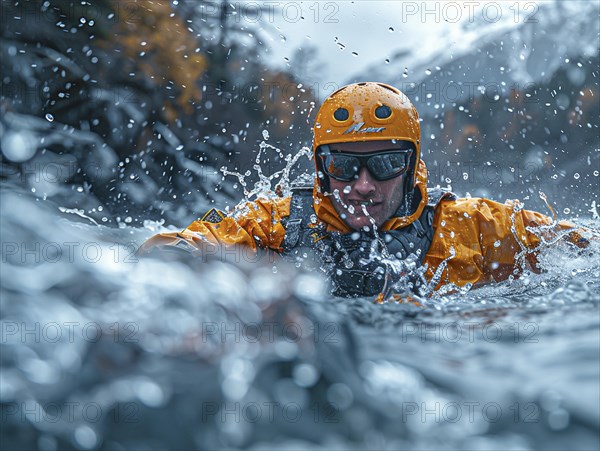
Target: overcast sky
point(362, 27)
point(374, 30)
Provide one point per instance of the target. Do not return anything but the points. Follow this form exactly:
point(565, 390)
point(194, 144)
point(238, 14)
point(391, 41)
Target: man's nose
point(365, 184)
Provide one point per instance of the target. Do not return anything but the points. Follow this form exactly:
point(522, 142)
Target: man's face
point(381, 199)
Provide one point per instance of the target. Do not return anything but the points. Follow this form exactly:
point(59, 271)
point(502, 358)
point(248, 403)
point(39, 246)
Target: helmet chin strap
point(406, 206)
point(323, 178)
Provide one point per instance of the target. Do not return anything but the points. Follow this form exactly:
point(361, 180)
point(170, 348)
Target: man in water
point(369, 217)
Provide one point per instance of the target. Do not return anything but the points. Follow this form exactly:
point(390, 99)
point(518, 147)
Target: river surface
point(100, 351)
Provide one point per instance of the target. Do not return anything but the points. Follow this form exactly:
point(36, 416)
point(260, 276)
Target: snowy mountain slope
point(499, 56)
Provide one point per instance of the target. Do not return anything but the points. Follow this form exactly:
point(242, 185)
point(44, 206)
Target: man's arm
point(253, 225)
point(512, 237)
point(479, 241)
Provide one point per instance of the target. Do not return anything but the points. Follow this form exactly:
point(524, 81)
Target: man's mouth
point(359, 204)
point(363, 201)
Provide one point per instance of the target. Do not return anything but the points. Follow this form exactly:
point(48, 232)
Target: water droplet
point(85, 437)
point(49, 117)
point(347, 189)
point(567, 211)
point(465, 176)
point(497, 243)
point(558, 419)
point(391, 30)
point(576, 176)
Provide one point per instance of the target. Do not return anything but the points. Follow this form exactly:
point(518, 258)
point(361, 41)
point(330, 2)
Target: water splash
point(78, 212)
point(594, 210)
point(273, 185)
point(402, 276)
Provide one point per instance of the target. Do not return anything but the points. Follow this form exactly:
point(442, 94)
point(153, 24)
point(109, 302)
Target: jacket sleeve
point(480, 241)
point(252, 225)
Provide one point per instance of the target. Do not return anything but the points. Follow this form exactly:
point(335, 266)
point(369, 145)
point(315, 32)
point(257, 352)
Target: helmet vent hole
point(383, 112)
point(341, 114)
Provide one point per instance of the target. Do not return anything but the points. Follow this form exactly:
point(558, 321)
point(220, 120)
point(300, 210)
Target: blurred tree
point(141, 102)
point(241, 92)
point(123, 76)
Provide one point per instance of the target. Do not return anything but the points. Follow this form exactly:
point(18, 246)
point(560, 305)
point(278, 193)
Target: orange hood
point(326, 212)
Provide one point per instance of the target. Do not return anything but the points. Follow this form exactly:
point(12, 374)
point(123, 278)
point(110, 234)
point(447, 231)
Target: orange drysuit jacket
point(476, 240)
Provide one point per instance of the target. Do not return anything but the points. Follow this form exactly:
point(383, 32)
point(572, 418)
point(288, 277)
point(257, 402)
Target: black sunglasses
point(382, 165)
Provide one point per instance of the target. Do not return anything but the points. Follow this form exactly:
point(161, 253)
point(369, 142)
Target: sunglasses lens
point(382, 166)
point(341, 167)
point(389, 165)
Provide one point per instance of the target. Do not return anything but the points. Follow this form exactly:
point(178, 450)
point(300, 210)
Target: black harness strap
point(297, 232)
point(347, 257)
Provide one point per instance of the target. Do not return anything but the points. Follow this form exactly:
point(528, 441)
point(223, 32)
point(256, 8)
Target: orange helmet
point(368, 112)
